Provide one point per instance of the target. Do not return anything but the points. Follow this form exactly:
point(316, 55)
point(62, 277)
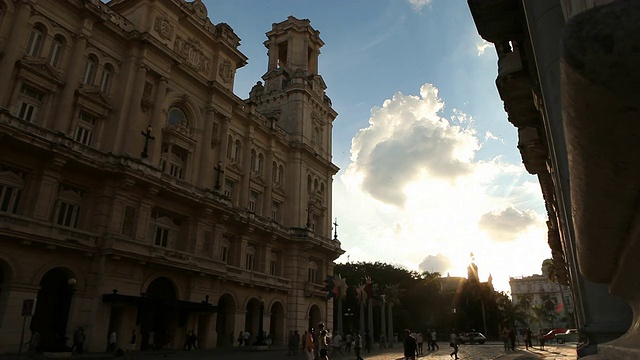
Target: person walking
point(453, 342)
point(410, 346)
point(78, 341)
point(112, 347)
point(348, 339)
point(323, 346)
point(309, 345)
point(420, 341)
point(434, 343)
point(336, 345)
point(357, 345)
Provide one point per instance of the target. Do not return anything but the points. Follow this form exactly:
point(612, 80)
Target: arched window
point(280, 174)
point(309, 184)
point(315, 185)
point(105, 82)
point(34, 43)
point(322, 188)
point(229, 147)
point(55, 53)
point(316, 136)
point(238, 150)
point(176, 117)
point(90, 70)
point(274, 172)
point(260, 163)
point(252, 161)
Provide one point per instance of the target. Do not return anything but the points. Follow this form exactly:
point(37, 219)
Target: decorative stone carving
point(191, 51)
point(164, 28)
point(146, 101)
point(198, 8)
point(226, 71)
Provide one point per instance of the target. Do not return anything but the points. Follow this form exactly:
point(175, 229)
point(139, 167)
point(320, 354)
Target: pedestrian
point(367, 342)
point(434, 338)
point(296, 342)
point(245, 338)
point(316, 336)
point(453, 342)
point(410, 346)
point(512, 339)
point(240, 338)
point(357, 345)
point(505, 338)
point(290, 343)
point(78, 340)
point(323, 346)
point(348, 339)
point(112, 344)
point(336, 345)
point(419, 341)
point(541, 339)
point(132, 342)
point(309, 345)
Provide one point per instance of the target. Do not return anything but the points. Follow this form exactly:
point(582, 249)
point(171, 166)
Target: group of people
point(414, 342)
point(318, 343)
point(508, 336)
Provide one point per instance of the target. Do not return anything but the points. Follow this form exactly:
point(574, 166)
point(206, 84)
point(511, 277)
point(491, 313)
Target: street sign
point(28, 307)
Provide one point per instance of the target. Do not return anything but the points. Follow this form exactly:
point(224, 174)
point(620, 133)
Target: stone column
point(76, 66)
point(206, 172)
point(46, 188)
point(158, 121)
point(13, 46)
point(246, 168)
point(11, 325)
point(222, 149)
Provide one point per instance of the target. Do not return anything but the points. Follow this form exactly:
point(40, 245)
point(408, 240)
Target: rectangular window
point(312, 276)
point(275, 211)
point(162, 237)
point(68, 214)
point(84, 128)
point(253, 200)
point(9, 199)
point(175, 170)
point(228, 188)
point(273, 267)
point(224, 254)
point(106, 81)
point(249, 262)
point(29, 102)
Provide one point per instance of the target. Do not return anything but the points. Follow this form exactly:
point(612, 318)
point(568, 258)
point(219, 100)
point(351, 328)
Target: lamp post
point(147, 136)
point(453, 319)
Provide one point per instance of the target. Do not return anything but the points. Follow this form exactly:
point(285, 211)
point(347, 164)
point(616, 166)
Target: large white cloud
point(415, 194)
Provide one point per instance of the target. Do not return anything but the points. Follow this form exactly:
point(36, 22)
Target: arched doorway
point(158, 314)
point(252, 319)
point(315, 317)
point(52, 309)
point(225, 321)
point(276, 325)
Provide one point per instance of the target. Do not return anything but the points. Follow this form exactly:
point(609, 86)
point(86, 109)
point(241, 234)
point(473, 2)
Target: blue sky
point(422, 140)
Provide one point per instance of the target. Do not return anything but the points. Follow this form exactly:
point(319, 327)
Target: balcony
point(31, 230)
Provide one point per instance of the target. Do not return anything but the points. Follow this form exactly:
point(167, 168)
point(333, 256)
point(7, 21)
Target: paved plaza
point(469, 352)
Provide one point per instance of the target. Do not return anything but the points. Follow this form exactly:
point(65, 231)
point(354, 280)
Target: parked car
point(570, 335)
point(552, 333)
point(473, 337)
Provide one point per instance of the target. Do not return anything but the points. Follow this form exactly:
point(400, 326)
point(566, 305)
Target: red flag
point(559, 307)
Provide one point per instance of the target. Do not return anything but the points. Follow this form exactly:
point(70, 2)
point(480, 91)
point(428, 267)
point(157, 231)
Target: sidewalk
point(551, 352)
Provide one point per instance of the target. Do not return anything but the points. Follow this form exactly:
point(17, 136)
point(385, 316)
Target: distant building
point(538, 288)
point(137, 191)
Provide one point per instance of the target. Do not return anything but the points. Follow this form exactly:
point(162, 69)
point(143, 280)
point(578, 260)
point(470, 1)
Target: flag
point(559, 307)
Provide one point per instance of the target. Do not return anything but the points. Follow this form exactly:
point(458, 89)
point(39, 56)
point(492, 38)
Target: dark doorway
point(315, 317)
point(252, 319)
point(225, 321)
point(52, 310)
point(276, 324)
point(158, 314)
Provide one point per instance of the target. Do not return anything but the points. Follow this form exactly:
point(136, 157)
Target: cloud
point(419, 4)
point(482, 46)
point(438, 263)
point(415, 194)
point(405, 139)
point(507, 224)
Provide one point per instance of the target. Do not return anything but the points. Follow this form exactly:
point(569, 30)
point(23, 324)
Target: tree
point(510, 315)
point(524, 303)
point(542, 315)
point(550, 268)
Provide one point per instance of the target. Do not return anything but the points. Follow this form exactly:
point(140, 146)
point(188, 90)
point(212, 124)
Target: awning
point(130, 300)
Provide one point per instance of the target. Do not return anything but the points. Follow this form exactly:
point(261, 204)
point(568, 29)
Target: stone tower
point(294, 97)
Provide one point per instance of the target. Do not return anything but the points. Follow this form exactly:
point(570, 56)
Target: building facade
point(568, 77)
point(138, 192)
point(539, 289)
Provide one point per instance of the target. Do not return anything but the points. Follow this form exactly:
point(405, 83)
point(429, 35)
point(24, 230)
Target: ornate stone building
point(568, 76)
point(538, 288)
point(138, 192)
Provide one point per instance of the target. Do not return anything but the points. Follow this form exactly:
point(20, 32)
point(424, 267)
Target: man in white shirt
point(336, 343)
